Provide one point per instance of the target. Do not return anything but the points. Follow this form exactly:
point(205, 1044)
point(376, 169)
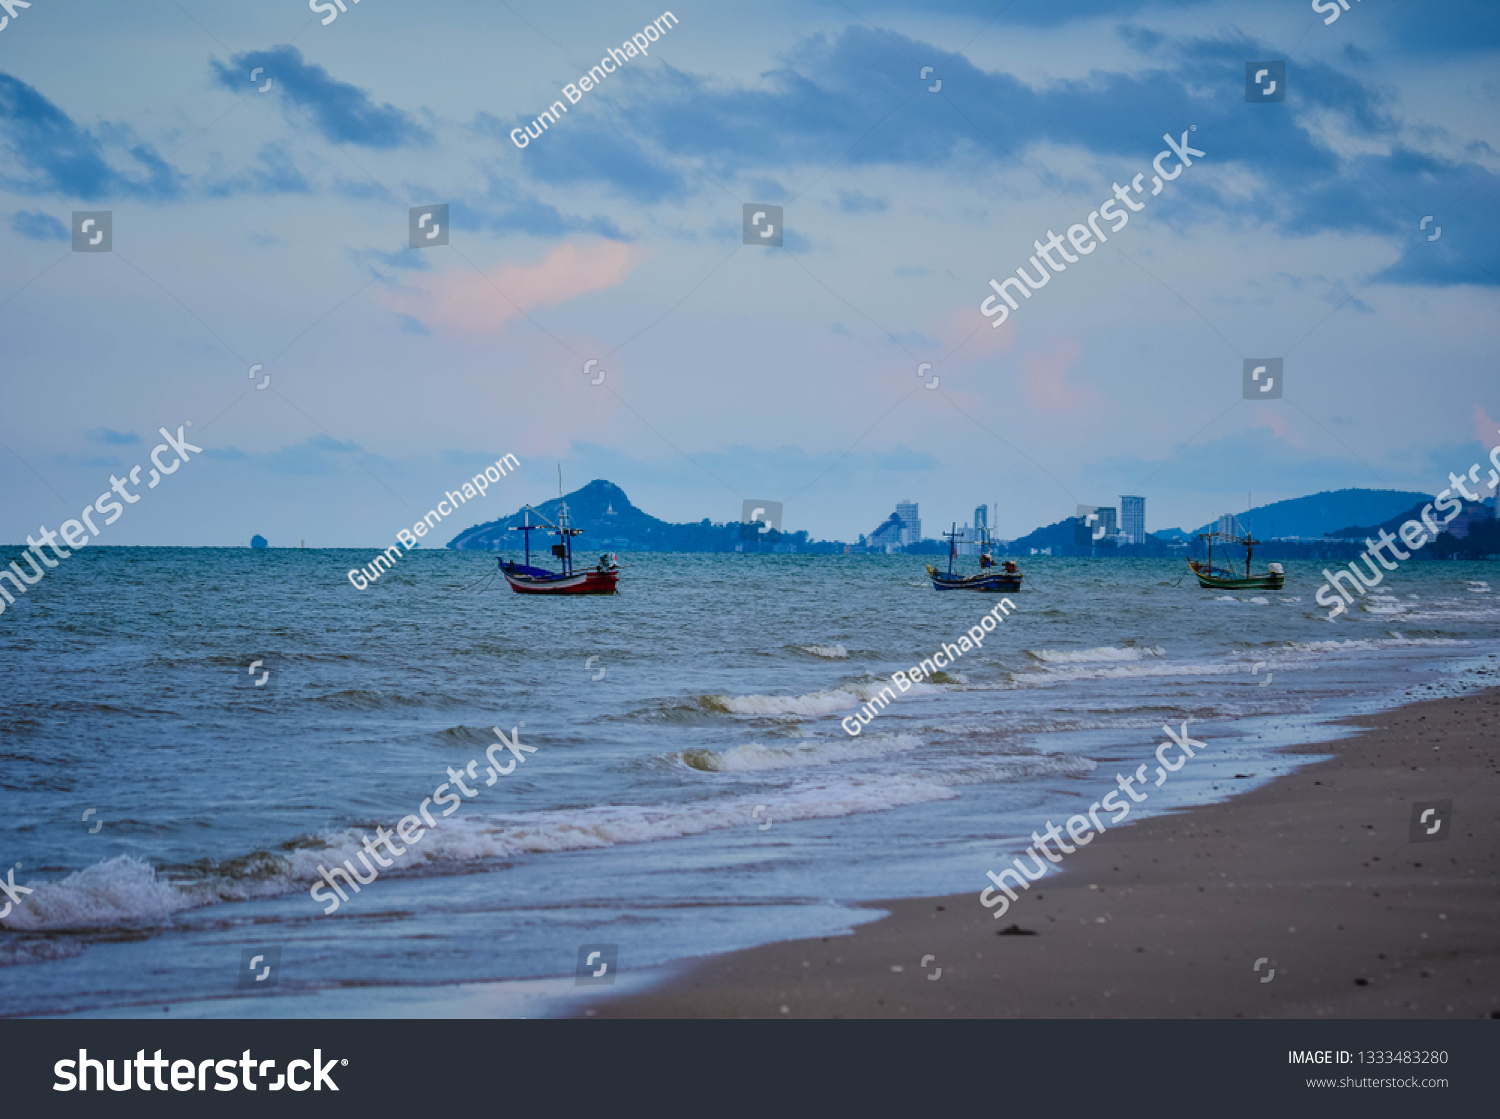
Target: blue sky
point(271, 229)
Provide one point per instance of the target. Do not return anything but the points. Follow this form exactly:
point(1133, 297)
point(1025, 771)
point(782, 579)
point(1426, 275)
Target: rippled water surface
point(691, 790)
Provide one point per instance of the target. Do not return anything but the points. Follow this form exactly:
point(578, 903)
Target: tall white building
point(911, 530)
point(1229, 525)
point(1132, 519)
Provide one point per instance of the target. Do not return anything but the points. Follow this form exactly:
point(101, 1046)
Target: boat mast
point(562, 520)
point(526, 530)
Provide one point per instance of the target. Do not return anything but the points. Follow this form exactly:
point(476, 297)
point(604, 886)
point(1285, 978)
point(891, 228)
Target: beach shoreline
point(1304, 897)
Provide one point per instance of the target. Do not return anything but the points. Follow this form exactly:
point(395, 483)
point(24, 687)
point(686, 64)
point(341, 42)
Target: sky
point(267, 226)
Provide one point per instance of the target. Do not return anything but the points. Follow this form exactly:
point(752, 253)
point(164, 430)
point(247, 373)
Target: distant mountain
point(1474, 533)
point(611, 523)
point(1391, 524)
point(1322, 514)
point(1052, 536)
point(1059, 538)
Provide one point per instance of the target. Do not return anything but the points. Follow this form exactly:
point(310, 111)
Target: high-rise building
point(1229, 525)
point(911, 525)
point(981, 517)
point(1107, 517)
point(1132, 519)
point(889, 534)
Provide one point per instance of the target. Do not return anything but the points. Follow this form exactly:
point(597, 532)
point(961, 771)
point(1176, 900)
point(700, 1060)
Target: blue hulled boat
point(994, 576)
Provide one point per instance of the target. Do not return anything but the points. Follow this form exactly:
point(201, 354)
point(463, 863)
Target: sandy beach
point(1314, 876)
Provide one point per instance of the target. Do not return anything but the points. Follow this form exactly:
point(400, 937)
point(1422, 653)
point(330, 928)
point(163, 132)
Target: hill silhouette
point(610, 522)
point(1322, 514)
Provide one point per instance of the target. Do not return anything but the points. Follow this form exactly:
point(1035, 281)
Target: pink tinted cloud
point(1485, 429)
point(964, 335)
point(466, 301)
point(1045, 376)
point(1275, 419)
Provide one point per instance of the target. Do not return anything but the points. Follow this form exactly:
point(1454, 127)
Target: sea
point(187, 735)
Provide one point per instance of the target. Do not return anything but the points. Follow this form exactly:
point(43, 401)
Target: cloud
point(67, 159)
point(1213, 467)
point(1276, 419)
point(914, 339)
point(312, 456)
point(593, 149)
point(1485, 429)
point(343, 113)
point(506, 208)
point(820, 97)
point(113, 438)
point(1453, 26)
point(38, 226)
point(856, 202)
point(469, 302)
point(273, 172)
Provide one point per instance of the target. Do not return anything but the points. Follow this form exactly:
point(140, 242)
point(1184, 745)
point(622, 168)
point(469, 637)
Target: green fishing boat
point(1221, 579)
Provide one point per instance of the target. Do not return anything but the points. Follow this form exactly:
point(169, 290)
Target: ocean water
point(691, 788)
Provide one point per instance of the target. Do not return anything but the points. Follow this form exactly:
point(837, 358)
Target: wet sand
point(1315, 874)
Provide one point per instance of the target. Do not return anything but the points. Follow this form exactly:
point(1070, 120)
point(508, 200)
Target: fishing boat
point(993, 575)
point(525, 579)
point(1222, 579)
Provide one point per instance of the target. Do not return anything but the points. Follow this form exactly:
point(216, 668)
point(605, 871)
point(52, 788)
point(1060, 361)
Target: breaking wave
point(830, 652)
point(753, 756)
point(1103, 653)
point(813, 703)
point(126, 891)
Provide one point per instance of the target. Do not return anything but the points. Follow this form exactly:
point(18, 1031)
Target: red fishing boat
point(525, 579)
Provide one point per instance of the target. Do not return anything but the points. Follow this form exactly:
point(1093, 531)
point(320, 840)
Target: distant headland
point(1320, 526)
